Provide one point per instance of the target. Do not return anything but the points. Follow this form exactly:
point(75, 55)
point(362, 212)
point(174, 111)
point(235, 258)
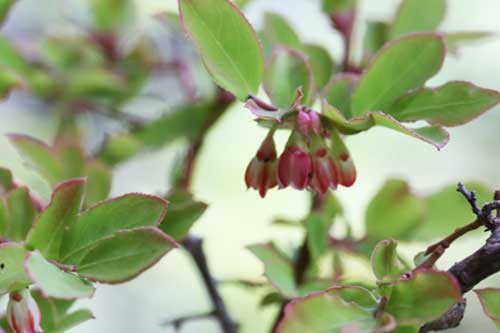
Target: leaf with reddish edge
point(417, 16)
point(227, 43)
point(53, 282)
point(490, 302)
point(286, 71)
point(385, 262)
point(425, 296)
point(103, 220)
point(400, 66)
point(452, 104)
point(278, 268)
point(328, 311)
point(436, 136)
point(18, 214)
point(12, 274)
point(265, 111)
point(48, 232)
point(338, 93)
point(342, 158)
point(125, 255)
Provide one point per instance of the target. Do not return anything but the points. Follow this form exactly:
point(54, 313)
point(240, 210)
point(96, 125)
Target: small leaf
point(322, 64)
point(99, 180)
point(317, 235)
point(334, 6)
point(121, 147)
point(454, 40)
point(448, 210)
point(338, 93)
point(8, 81)
point(452, 104)
point(108, 217)
point(74, 319)
point(110, 15)
point(227, 43)
point(12, 275)
point(19, 214)
point(386, 264)
point(375, 37)
point(417, 16)
point(278, 268)
point(182, 213)
point(490, 301)
point(11, 58)
point(424, 297)
point(6, 181)
point(400, 66)
point(54, 282)
point(49, 230)
point(277, 31)
point(124, 255)
point(394, 212)
point(328, 312)
point(288, 70)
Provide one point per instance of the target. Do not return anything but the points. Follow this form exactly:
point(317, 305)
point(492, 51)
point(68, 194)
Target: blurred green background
point(237, 217)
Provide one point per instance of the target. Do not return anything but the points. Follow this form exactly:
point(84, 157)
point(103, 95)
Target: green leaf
point(121, 147)
point(400, 66)
point(417, 16)
point(375, 37)
point(338, 93)
point(19, 214)
point(329, 312)
point(182, 213)
point(277, 31)
point(385, 262)
point(288, 70)
point(424, 297)
point(278, 268)
point(8, 81)
point(124, 255)
point(54, 282)
point(334, 6)
point(4, 8)
point(322, 64)
point(490, 301)
point(99, 180)
point(436, 136)
point(110, 15)
point(454, 40)
point(227, 43)
point(317, 235)
point(39, 156)
point(6, 181)
point(452, 104)
point(394, 212)
point(107, 218)
point(55, 316)
point(11, 58)
point(448, 210)
point(49, 231)
point(12, 274)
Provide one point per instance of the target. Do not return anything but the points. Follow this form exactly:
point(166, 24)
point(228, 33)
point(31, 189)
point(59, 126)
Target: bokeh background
point(237, 217)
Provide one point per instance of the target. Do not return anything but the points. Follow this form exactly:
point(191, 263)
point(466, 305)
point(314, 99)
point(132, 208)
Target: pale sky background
point(237, 217)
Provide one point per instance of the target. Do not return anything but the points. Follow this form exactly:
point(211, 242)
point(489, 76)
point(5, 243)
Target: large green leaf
point(329, 312)
point(448, 210)
point(288, 70)
point(108, 217)
point(322, 64)
point(49, 230)
point(12, 274)
point(452, 104)
point(227, 43)
point(18, 214)
point(99, 180)
point(436, 136)
point(400, 66)
point(386, 264)
point(338, 93)
point(124, 255)
point(182, 213)
point(278, 268)
point(277, 31)
point(490, 301)
point(54, 282)
point(423, 297)
point(335, 6)
point(394, 212)
point(417, 16)
point(375, 37)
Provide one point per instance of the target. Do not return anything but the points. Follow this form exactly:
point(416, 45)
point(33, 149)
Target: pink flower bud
point(261, 171)
point(325, 172)
point(294, 167)
point(23, 314)
point(308, 121)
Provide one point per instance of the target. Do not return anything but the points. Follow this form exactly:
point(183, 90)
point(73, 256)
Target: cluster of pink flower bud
point(306, 162)
point(23, 314)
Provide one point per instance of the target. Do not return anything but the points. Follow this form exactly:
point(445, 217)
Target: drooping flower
point(343, 160)
point(308, 121)
point(295, 164)
point(261, 173)
point(23, 314)
point(325, 171)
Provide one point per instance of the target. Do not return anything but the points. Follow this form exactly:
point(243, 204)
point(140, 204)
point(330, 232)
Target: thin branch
point(177, 323)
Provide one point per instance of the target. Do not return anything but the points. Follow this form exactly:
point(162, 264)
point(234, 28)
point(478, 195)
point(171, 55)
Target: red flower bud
point(261, 171)
point(294, 167)
point(308, 121)
point(23, 314)
point(325, 172)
